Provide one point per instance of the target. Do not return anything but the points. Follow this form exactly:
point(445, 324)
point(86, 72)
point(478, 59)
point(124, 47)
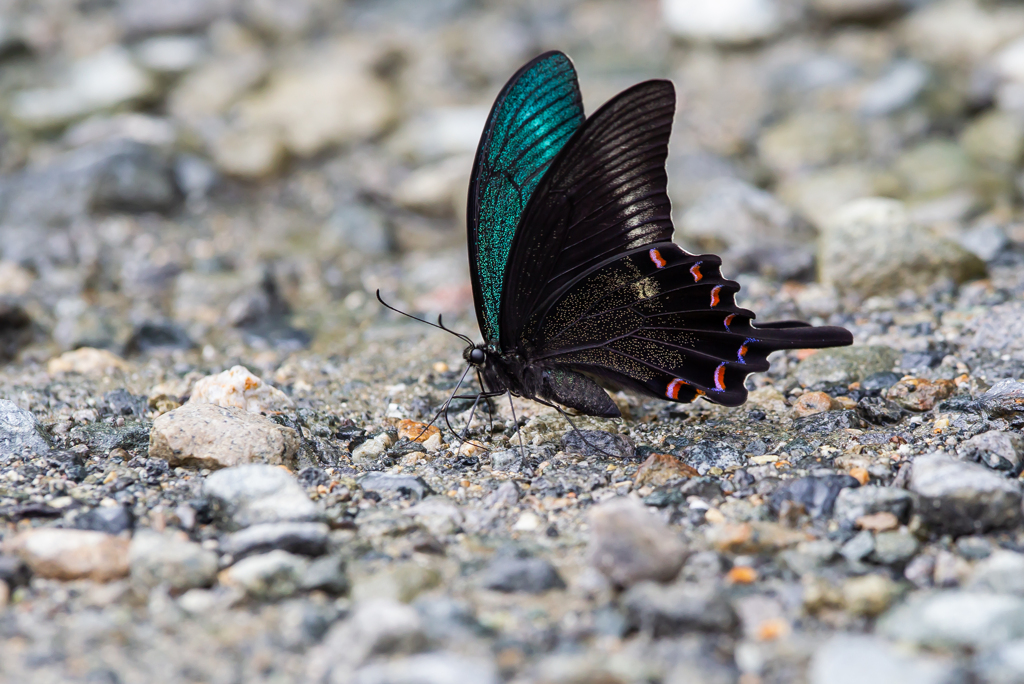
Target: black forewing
point(604, 193)
point(536, 112)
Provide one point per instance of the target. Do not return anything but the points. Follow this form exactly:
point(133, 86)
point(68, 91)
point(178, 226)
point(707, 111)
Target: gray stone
point(372, 449)
point(19, 432)
point(251, 494)
point(845, 364)
point(987, 241)
point(816, 493)
point(208, 436)
point(630, 545)
point(511, 574)
point(359, 227)
point(1001, 573)
point(955, 619)
point(405, 485)
point(895, 548)
point(854, 659)
point(144, 17)
point(809, 139)
point(871, 247)
point(708, 454)
point(13, 571)
point(507, 460)
point(1004, 665)
point(327, 574)
point(661, 610)
point(963, 498)
point(172, 560)
point(852, 503)
point(1005, 399)
point(857, 10)
point(598, 443)
point(273, 575)
point(430, 668)
point(899, 87)
point(997, 449)
point(859, 547)
point(303, 538)
point(440, 515)
point(109, 519)
point(377, 627)
point(757, 230)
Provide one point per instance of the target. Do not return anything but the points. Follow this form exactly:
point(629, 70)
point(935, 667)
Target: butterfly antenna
point(415, 318)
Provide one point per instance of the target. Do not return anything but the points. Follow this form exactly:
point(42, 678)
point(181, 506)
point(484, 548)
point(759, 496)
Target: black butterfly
point(575, 276)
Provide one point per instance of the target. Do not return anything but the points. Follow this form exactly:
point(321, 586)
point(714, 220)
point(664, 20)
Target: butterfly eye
point(477, 356)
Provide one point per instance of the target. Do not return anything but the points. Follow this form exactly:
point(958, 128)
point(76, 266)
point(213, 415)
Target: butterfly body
point(576, 281)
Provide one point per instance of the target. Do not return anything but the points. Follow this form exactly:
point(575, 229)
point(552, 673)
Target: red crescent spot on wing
point(695, 270)
point(742, 352)
point(658, 260)
point(720, 377)
point(700, 392)
point(728, 320)
point(672, 392)
point(714, 294)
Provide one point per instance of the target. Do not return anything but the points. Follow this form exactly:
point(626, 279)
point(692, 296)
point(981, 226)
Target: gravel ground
point(213, 466)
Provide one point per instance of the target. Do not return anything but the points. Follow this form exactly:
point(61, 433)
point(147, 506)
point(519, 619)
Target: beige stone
point(71, 554)
point(86, 361)
point(239, 388)
point(209, 436)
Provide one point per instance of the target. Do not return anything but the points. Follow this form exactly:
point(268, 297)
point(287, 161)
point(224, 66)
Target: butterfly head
point(474, 355)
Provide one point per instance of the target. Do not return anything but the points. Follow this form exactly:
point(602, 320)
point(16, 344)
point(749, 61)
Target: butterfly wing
point(536, 112)
point(595, 285)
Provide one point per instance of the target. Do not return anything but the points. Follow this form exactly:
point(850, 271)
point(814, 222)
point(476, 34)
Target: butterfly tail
point(797, 335)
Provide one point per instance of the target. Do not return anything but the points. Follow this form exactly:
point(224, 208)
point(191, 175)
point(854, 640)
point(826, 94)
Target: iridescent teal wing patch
point(536, 113)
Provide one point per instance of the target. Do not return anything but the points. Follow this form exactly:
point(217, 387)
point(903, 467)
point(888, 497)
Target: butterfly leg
point(522, 449)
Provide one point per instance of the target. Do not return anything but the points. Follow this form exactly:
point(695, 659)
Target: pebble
point(845, 364)
point(443, 517)
point(249, 153)
point(711, 454)
point(857, 10)
point(239, 388)
point(208, 436)
point(753, 537)
point(253, 494)
point(326, 574)
point(895, 90)
point(591, 443)
point(934, 169)
point(410, 486)
point(71, 554)
point(857, 658)
point(1004, 399)
point(109, 519)
point(662, 469)
point(86, 361)
point(1001, 665)
point(919, 394)
point(728, 22)
point(170, 55)
point(954, 32)
point(330, 100)
point(810, 403)
point(810, 139)
point(273, 575)
point(171, 560)
point(19, 432)
point(101, 82)
point(868, 595)
point(430, 668)
point(1001, 573)
point(13, 571)
point(871, 247)
point(5, 595)
point(998, 449)
point(372, 449)
point(878, 522)
point(985, 240)
point(661, 611)
point(816, 493)
point(629, 545)
point(217, 85)
point(512, 574)
point(303, 538)
point(959, 498)
point(858, 547)
point(894, 548)
point(955, 619)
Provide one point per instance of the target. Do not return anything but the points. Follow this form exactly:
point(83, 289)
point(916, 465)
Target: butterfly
point(577, 284)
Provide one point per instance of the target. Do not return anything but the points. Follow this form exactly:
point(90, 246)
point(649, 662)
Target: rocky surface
point(214, 459)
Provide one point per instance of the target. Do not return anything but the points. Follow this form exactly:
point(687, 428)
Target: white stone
point(71, 554)
point(170, 54)
point(731, 22)
point(238, 388)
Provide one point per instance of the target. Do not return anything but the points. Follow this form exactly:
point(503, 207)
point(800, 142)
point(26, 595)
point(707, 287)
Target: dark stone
point(121, 402)
point(511, 574)
point(29, 510)
point(13, 571)
point(598, 443)
point(313, 477)
point(662, 611)
point(109, 519)
point(153, 336)
point(855, 502)
point(1005, 400)
point(134, 178)
point(959, 497)
point(816, 493)
point(404, 485)
point(19, 432)
point(102, 437)
point(665, 496)
point(999, 450)
point(879, 411)
point(327, 574)
point(15, 330)
point(707, 488)
point(304, 538)
point(830, 421)
point(707, 455)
